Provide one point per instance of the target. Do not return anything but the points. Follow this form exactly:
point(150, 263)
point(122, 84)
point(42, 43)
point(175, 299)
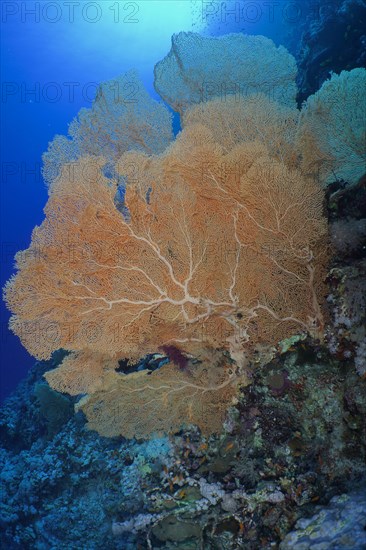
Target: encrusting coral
point(221, 245)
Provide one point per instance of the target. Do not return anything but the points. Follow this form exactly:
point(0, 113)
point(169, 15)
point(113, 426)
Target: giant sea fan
point(220, 250)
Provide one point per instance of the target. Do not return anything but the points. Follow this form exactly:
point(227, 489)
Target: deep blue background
point(44, 47)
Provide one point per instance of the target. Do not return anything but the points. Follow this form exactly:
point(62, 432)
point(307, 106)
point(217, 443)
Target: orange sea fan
point(207, 258)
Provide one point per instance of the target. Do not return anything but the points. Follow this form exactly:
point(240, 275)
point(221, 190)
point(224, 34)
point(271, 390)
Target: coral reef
point(347, 276)
point(64, 489)
point(294, 439)
point(338, 525)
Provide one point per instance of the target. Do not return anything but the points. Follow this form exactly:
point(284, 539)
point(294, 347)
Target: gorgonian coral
point(332, 130)
point(218, 249)
point(198, 69)
point(122, 117)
